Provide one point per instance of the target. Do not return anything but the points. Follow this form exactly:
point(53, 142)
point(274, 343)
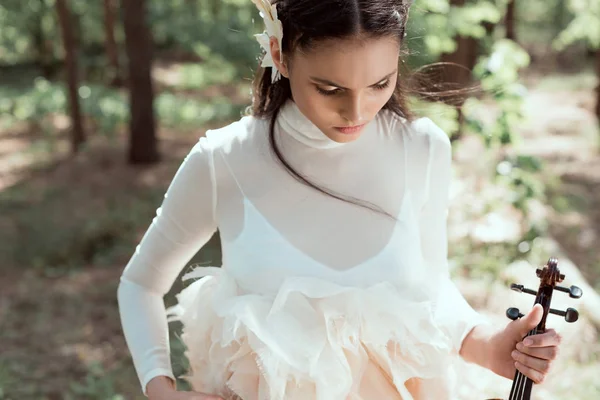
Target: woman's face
point(342, 84)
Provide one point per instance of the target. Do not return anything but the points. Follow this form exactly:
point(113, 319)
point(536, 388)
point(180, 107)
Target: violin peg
point(513, 313)
point(571, 315)
point(574, 291)
point(522, 289)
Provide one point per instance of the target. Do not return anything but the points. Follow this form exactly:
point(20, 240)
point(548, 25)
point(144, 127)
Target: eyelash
point(379, 86)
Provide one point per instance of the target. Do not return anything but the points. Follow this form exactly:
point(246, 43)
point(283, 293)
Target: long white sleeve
point(453, 311)
point(183, 224)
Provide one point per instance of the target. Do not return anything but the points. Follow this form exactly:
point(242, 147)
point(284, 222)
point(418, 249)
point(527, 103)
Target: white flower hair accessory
point(274, 28)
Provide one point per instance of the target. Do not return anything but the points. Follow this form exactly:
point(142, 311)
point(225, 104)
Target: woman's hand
point(163, 388)
point(508, 350)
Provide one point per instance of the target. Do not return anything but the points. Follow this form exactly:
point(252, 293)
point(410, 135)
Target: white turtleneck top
point(288, 249)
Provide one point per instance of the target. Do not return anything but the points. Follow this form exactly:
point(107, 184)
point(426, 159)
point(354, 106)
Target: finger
point(545, 353)
point(546, 339)
point(535, 376)
point(530, 320)
point(535, 364)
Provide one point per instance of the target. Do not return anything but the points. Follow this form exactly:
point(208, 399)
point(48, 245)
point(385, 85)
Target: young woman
point(331, 201)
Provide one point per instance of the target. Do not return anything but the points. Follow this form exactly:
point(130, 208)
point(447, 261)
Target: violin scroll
point(549, 277)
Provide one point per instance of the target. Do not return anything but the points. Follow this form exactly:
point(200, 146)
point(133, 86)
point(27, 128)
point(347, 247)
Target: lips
point(350, 129)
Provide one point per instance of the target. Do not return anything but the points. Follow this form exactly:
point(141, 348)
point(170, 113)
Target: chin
point(344, 137)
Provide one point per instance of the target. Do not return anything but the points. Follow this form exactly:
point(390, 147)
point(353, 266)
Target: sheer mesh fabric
point(295, 257)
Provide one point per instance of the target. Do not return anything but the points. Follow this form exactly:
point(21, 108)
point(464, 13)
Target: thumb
point(531, 320)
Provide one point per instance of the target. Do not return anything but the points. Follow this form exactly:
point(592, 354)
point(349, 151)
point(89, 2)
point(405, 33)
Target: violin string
point(525, 379)
point(523, 382)
point(515, 394)
point(516, 388)
point(518, 392)
point(520, 386)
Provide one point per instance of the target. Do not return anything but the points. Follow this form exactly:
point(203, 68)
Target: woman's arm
point(476, 345)
point(496, 348)
point(453, 312)
point(183, 224)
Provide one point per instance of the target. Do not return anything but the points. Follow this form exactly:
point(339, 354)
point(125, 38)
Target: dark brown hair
point(306, 23)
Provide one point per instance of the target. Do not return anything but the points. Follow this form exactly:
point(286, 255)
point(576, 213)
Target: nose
point(352, 110)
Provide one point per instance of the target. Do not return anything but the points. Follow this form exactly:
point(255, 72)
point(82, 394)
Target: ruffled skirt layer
point(313, 339)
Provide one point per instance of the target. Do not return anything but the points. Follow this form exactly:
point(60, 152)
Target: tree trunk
point(112, 52)
point(510, 21)
point(43, 52)
point(463, 59)
point(78, 134)
point(43, 45)
point(457, 71)
point(598, 87)
point(138, 45)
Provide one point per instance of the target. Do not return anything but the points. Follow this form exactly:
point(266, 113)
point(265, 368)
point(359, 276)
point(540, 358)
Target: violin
point(549, 277)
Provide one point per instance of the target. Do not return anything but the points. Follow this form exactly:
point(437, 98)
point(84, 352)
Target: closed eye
point(330, 92)
point(384, 84)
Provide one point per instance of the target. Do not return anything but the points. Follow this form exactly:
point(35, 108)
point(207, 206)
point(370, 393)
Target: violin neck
point(522, 385)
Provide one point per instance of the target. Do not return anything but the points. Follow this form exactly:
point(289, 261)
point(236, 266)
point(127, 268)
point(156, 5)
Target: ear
point(276, 55)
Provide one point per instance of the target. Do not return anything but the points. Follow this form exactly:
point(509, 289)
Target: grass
point(63, 328)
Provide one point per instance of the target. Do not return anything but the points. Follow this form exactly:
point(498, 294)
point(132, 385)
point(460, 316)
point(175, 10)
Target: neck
point(294, 123)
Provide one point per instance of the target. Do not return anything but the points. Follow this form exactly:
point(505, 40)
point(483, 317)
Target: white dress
point(316, 298)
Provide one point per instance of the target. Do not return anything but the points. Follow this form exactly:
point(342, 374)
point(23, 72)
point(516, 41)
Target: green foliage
point(519, 173)
point(220, 37)
point(444, 115)
point(224, 26)
point(540, 21)
point(98, 384)
point(493, 114)
point(20, 22)
point(33, 102)
point(585, 26)
point(76, 240)
point(109, 109)
point(499, 77)
point(436, 23)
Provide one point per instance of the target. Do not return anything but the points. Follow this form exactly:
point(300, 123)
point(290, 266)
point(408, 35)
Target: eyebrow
point(329, 83)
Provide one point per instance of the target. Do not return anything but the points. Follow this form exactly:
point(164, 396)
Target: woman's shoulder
point(423, 128)
point(241, 133)
point(421, 132)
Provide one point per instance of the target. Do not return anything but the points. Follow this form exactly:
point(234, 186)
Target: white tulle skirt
point(312, 340)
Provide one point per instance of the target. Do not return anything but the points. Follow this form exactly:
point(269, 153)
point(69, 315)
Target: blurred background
point(101, 101)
